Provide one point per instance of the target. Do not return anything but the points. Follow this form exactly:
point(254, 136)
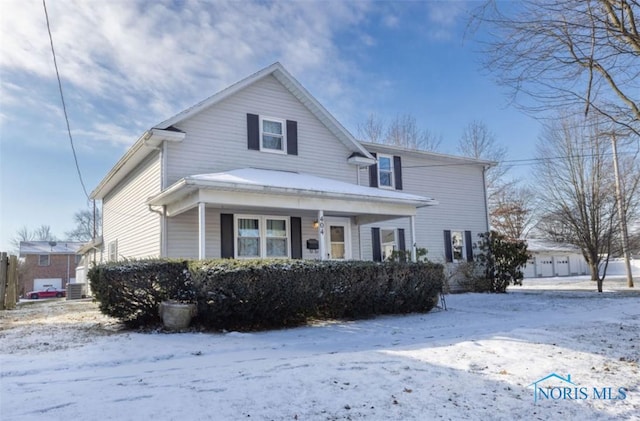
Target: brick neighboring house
point(48, 263)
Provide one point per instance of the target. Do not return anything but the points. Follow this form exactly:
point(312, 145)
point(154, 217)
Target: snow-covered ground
point(62, 360)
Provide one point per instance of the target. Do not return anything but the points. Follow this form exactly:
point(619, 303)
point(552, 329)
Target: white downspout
point(201, 231)
point(412, 228)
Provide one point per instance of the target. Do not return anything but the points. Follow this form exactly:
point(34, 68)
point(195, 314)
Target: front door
point(337, 238)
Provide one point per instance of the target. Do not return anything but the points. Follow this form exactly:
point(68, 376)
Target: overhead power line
point(64, 106)
point(515, 162)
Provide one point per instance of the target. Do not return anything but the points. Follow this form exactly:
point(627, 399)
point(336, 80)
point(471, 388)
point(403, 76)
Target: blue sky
point(127, 65)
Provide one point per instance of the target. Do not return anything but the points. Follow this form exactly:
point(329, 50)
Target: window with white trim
point(457, 246)
point(44, 260)
point(261, 236)
point(113, 250)
point(387, 242)
point(272, 134)
point(385, 171)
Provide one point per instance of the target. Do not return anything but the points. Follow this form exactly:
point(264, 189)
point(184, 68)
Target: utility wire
point(515, 162)
point(64, 107)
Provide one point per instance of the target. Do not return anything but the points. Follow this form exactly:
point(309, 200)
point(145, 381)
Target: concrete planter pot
point(176, 316)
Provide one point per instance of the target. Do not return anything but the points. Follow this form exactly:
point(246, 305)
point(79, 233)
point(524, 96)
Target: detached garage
point(550, 259)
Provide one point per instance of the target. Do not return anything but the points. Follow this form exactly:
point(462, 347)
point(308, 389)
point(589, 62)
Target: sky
point(127, 65)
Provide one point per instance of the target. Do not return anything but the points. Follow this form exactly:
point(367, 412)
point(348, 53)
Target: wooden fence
point(8, 281)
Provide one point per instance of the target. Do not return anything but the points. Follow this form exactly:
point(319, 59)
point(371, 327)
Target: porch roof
point(285, 190)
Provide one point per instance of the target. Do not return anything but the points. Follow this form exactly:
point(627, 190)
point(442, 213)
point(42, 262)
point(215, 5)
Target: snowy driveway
point(474, 361)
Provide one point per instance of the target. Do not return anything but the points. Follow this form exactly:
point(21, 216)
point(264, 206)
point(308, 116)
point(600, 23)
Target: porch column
point(321, 246)
point(412, 228)
point(201, 231)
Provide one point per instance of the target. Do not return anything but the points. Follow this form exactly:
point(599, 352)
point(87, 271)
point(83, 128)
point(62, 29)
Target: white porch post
point(321, 246)
point(412, 227)
point(201, 231)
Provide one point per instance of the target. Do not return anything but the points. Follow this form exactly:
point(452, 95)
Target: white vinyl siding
point(126, 217)
point(458, 189)
point(216, 138)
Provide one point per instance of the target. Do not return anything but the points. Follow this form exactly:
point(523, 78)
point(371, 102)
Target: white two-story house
point(263, 170)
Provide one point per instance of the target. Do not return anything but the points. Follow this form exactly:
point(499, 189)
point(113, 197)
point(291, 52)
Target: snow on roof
point(49, 247)
point(276, 179)
point(539, 245)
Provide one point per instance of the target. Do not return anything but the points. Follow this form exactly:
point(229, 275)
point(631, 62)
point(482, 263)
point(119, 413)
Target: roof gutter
point(150, 140)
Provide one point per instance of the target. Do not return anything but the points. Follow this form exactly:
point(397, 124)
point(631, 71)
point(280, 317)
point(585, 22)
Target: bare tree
point(512, 214)
point(566, 52)
point(42, 233)
point(578, 188)
point(402, 131)
point(509, 208)
point(372, 130)
point(83, 230)
point(477, 141)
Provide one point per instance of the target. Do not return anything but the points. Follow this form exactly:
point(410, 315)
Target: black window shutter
point(253, 132)
point(373, 173)
point(226, 236)
point(375, 243)
point(292, 137)
point(402, 245)
point(468, 242)
point(448, 250)
point(397, 172)
point(296, 237)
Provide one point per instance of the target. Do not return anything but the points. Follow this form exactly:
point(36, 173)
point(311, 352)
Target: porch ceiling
point(250, 187)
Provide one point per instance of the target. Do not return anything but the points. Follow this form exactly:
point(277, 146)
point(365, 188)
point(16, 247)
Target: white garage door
point(42, 283)
point(530, 269)
point(545, 266)
point(562, 265)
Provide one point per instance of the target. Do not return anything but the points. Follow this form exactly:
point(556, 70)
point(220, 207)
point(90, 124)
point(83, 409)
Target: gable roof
point(49, 247)
point(164, 130)
point(278, 71)
point(449, 159)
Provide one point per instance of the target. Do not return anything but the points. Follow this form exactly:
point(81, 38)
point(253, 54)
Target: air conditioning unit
point(76, 291)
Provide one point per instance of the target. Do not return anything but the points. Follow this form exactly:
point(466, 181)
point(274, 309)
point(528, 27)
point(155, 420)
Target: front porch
point(250, 213)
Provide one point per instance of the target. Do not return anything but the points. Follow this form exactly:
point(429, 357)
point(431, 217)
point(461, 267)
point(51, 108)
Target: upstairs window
point(385, 171)
point(44, 260)
point(272, 135)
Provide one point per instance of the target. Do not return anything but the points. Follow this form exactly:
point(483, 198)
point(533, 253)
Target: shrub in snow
point(133, 290)
point(260, 294)
point(241, 295)
point(497, 265)
point(502, 259)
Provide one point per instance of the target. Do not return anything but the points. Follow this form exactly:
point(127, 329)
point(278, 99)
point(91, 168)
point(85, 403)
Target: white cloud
point(443, 18)
point(146, 60)
point(391, 21)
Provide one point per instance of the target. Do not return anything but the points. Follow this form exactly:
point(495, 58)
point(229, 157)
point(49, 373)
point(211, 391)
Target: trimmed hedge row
point(259, 294)
point(132, 291)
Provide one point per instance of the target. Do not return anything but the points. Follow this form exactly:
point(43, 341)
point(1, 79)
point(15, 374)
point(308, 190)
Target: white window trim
point(262, 227)
point(463, 258)
point(48, 260)
point(395, 239)
point(392, 170)
point(113, 258)
point(339, 221)
point(282, 151)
